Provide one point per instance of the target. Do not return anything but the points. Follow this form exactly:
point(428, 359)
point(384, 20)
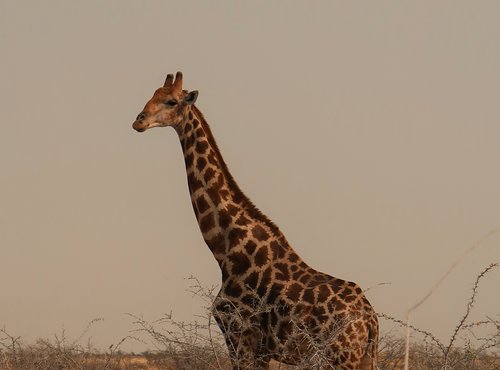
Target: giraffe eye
point(171, 102)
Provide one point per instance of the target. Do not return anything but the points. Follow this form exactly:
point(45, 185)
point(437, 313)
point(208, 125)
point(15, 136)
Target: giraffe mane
point(246, 202)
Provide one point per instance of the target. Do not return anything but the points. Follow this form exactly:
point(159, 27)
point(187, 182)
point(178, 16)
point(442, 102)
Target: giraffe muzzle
point(139, 125)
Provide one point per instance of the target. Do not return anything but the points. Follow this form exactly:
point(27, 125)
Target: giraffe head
point(168, 106)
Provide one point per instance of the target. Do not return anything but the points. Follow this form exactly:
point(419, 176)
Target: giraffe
point(271, 304)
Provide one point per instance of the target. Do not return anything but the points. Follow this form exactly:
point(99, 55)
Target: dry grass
point(50, 355)
point(200, 346)
point(476, 351)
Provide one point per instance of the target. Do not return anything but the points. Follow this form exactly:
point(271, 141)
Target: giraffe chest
point(310, 296)
point(283, 320)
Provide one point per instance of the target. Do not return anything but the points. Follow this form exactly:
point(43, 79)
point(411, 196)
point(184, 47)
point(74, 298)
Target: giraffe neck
point(228, 220)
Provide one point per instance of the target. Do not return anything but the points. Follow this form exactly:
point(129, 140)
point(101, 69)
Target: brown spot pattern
point(194, 183)
point(207, 223)
point(209, 175)
point(278, 250)
point(250, 247)
point(252, 280)
point(188, 160)
point(224, 219)
point(214, 195)
point(261, 256)
point(240, 263)
point(201, 146)
point(236, 235)
point(201, 163)
point(202, 204)
point(294, 291)
point(260, 233)
point(217, 244)
point(188, 128)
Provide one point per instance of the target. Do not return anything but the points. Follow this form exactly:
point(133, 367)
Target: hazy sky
point(368, 131)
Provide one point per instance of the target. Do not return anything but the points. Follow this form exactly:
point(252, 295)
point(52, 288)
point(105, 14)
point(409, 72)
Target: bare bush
point(60, 353)
point(200, 345)
point(466, 348)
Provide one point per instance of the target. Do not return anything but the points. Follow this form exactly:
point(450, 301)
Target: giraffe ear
point(191, 97)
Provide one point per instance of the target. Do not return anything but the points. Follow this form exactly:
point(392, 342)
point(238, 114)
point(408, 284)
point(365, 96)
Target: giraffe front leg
point(245, 355)
point(243, 351)
point(243, 338)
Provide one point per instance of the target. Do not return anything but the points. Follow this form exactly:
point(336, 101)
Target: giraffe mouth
point(139, 127)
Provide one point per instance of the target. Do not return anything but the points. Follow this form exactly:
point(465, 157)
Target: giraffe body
point(271, 304)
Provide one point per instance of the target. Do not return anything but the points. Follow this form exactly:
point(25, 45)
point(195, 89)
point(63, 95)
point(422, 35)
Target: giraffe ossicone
point(271, 304)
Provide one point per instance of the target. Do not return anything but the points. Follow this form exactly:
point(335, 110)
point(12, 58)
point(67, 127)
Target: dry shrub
point(468, 348)
point(59, 353)
point(200, 345)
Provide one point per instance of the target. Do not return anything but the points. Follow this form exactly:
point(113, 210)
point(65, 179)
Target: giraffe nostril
point(141, 116)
